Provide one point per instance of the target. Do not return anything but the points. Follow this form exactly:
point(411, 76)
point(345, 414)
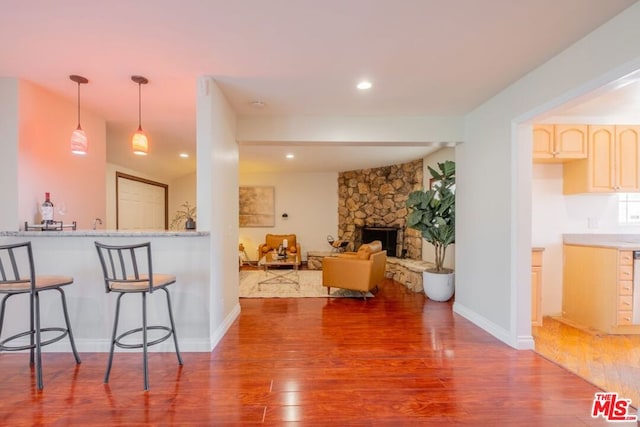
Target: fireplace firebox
point(387, 235)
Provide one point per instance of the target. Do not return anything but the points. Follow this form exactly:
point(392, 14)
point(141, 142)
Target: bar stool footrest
point(138, 330)
point(63, 333)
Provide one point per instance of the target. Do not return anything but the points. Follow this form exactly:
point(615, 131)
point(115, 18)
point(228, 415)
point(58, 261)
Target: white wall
point(9, 218)
point(549, 220)
point(86, 184)
point(47, 164)
point(554, 214)
point(217, 194)
point(35, 127)
point(494, 176)
point(483, 223)
point(310, 200)
point(181, 190)
point(352, 129)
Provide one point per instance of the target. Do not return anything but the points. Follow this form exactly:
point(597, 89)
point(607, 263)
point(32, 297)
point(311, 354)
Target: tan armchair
point(359, 271)
point(273, 241)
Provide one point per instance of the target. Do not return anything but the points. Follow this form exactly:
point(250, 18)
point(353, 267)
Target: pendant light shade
point(79, 141)
point(140, 141)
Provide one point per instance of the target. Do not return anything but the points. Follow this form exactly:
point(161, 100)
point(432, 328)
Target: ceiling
point(302, 57)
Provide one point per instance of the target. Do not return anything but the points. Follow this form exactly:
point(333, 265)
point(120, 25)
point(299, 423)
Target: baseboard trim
point(102, 346)
point(194, 345)
point(484, 323)
point(224, 327)
point(525, 342)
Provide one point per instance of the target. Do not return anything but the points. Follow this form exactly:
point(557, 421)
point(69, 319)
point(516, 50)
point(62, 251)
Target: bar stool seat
point(142, 284)
point(42, 283)
point(127, 269)
point(17, 276)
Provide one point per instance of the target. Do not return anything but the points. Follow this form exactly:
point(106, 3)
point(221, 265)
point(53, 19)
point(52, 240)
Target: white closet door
point(141, 206)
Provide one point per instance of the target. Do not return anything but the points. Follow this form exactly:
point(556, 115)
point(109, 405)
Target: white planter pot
point(438, 286)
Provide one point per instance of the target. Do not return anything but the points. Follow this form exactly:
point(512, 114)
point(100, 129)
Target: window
point(629, 208)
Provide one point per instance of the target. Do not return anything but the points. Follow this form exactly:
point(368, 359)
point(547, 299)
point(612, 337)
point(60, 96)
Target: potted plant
point(432, 212)
point(187, 213)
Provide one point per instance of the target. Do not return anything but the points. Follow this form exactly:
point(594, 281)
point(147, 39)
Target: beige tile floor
point(611, 362)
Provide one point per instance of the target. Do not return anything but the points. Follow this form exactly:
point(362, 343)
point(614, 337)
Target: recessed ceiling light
point(258, 104)
point(290, 156)
point(184, 155)
point(364, 85)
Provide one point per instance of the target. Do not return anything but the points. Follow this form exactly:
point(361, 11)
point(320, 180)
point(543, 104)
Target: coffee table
point(278, 276)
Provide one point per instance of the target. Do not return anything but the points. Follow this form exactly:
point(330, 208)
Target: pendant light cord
point(141, 81)
point(78, 105)
point(139, 106)
point(79, 80)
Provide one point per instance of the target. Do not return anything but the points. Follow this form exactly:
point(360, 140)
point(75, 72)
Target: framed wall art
point(257, 206)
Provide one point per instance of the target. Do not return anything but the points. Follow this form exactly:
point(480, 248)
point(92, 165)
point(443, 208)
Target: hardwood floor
point(396, 359)
point(611, 362)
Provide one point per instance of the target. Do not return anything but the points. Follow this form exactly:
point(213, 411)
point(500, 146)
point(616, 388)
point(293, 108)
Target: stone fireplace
point(372, 206)
point(374, 199)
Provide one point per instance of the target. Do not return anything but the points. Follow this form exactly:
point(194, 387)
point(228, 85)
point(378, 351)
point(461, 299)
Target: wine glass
point(62, 210)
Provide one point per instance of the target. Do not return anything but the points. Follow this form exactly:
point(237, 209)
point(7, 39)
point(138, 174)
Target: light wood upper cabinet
point(543, 143)
point(571, 141)
point(612, 165)
point(559, 143)
point(628, 158)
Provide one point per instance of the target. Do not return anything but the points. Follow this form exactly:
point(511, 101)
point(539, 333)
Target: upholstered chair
point(273, 241)
point(358, 271)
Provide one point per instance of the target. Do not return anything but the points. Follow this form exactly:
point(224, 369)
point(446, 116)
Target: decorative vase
point(190, 224)
point(438, 286)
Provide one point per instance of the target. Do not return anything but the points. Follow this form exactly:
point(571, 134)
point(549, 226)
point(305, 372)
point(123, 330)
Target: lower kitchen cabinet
point(597, 288)
point(536, 287)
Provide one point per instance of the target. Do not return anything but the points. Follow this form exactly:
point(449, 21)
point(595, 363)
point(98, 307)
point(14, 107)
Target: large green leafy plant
point(433, 212)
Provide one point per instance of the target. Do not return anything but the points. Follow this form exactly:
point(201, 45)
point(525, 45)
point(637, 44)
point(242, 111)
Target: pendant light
point(79, 137)
point(140, 141)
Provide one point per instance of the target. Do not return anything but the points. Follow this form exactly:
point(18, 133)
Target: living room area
point(323, 205)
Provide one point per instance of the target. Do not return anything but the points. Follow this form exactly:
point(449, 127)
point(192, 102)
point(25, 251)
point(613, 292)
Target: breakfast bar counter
point(103, 233)
point(195, 297)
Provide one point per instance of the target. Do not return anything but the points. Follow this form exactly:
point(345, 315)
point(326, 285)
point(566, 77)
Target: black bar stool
point(127, 269)
point(17, 276)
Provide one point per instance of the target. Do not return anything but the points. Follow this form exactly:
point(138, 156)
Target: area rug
point(310, 286)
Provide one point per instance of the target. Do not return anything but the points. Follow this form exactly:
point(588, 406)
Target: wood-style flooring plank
point(396, 359)
point(611, 362)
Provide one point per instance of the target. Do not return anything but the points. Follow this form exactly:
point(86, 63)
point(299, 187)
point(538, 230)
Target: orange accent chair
point(273, 241)
point(358, 271)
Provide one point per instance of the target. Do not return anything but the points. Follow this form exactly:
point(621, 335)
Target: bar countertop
point(185, 255)
point(103, 233)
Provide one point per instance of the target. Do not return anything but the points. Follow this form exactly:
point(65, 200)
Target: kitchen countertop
point(619, 241)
